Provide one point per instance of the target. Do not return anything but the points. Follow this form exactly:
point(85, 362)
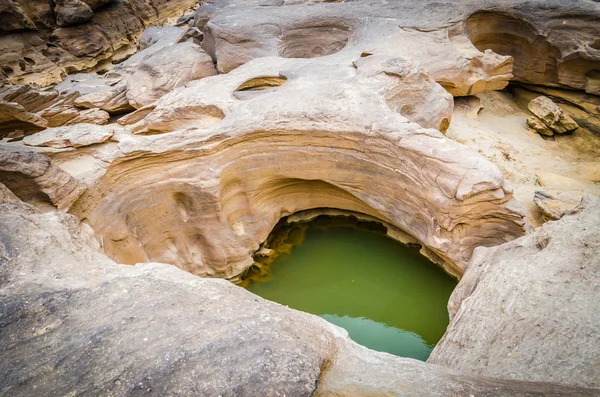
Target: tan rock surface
point(307, 134)
point(117, 329)
point(78, 135)
point(552, 115)
point(496, 128)
point(528, 309)
point(32, 177)
point(538, 126)
point(14, 117)
point(452, 40)
point(556, 203)
point(166, 69)
point(39, 51)
point(582, 107)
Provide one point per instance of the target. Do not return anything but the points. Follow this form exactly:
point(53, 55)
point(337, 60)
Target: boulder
point(33, 178)
point(14, 117)
point(526, 309)
point(538, 126)
point(72, 12)
point(77, 135)
point(556, 203)
point(580, 106)
point(551, 115)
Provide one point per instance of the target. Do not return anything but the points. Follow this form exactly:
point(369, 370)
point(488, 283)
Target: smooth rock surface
point(166, 69)
point(305, 134)
point(154, 329)
point(528, 309)
point(77, 135)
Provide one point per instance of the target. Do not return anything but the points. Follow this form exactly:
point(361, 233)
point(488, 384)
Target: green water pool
point(386, 295)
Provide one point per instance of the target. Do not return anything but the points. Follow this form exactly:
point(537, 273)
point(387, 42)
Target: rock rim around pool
point(156, 329)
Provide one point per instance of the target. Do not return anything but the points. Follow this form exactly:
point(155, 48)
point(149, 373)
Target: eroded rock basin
point(385, 294)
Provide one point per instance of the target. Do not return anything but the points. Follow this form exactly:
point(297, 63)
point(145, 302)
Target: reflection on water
point(386, 295)
point(382, 337)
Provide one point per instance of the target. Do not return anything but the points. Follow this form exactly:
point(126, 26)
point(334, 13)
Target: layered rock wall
point(43, 40)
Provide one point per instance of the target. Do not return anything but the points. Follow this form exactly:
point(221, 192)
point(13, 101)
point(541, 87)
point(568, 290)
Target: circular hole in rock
point(257, 85)
point(385, 294)
point(8, 71)
point(314, 41)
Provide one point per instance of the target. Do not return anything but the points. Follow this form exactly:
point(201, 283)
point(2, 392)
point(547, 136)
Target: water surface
point(386, 295)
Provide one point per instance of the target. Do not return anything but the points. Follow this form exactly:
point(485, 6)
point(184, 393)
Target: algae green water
point(386, 295)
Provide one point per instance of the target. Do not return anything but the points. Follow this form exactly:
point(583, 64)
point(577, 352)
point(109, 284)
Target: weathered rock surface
point(154, 329)
point(77, 135)
point(14, 117)
point(166, 69)
point(42, 44)
point(31, 109)
point(582, 107)
point(528, 309)
point(556, 203)
point(34, 178)
point(538, 126)
point(448, 38)
point(494, 125)
point(277, 136)
point(551, 115)
point(72, 12)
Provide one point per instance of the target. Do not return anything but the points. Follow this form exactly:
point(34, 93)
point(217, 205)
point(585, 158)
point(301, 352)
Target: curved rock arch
point(236, 190)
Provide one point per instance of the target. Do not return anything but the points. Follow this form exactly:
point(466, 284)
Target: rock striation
point(277, 136)
point(155, 329)
point(76, 136)
point(32, 177)
point(44, 40)
point(262, 109)
point(469, 46)
point(549, 118)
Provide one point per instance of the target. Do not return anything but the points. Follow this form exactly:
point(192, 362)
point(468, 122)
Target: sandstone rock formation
point(72, 12)
point(332, 107)
point(30, 109)
point(34, 178)
point(582, 107)
point(154, 329)
point(241, 162)
point(166, 69)
point(527, 309)
point(556, 203)
point(448, 38)
point(76, 136)
point(42, 40)
point(551, 116)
